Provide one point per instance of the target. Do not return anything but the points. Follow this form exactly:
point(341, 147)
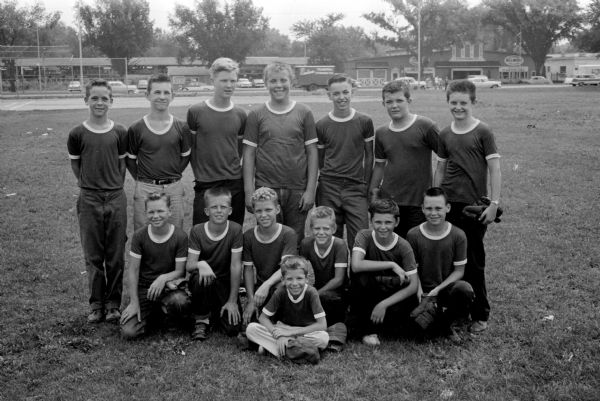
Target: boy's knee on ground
point(132, 329)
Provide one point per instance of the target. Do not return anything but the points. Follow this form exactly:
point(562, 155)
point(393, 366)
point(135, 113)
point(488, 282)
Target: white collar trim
point(435, 237)
point(273, 238)
point(163, 239)
point(342, 120)
point(385, 248)
point(300, 298)
point(324, 255)
point(217, 238)
point(164, 131)
point(292, 105)
point(111, 125)
point(405, 126)
point(465, 130)
point(215, 108)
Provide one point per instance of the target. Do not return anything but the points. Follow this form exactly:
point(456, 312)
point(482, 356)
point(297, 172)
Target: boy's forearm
point(265, 321)
point(249, 281)
point(364, 265)
point(319, 325)
point(402, 294)
point(133, 279)
point(248, 168)
point(440, 171)
point(376, 176)
point(274, 279)
point(183, 163)
point(332, 284)
point(234, 282)
point(456, 275)
point(368, 168)
point(312, 157)
point(76, 168)
point(132, 167)
point(495, 179)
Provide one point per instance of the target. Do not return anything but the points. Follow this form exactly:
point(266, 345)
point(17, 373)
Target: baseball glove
point(425, 314)
point(475, 210)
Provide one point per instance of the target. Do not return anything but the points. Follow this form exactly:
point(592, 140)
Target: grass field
point(543, 273)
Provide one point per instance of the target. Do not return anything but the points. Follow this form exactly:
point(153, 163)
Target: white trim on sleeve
point(185, 154)
point(237, 250)
point(318, 315)
point(357, 249)
point(193, 251)
point(411, 272)
point(460, 262)
point(493, 156)
point(74, 157)
point(311, 141)
point(183, 259)
point(249, 143)
point(440, 159)
point(380, 160)
point(134, 255)
point(370, 139)
point(267, 312)
point(131, 156)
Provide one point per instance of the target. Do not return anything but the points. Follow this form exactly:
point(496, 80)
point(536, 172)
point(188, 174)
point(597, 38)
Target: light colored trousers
point(141, 192)
point(259, 334)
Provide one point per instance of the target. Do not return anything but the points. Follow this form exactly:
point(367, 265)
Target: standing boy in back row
point(97, 149)
point(345, 158)
point(467, 153)
point(403, 158)
point(217, 129)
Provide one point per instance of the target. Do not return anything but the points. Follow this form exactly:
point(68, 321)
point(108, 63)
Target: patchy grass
point(543, 275)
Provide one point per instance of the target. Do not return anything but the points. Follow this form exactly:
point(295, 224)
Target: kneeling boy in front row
point(292, 316)
point(158, 255)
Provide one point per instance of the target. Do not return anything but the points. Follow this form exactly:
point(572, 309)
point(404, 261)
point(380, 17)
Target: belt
point(158, 182)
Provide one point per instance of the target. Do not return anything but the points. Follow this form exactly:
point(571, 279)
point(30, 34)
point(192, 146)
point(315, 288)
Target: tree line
point(238, 28)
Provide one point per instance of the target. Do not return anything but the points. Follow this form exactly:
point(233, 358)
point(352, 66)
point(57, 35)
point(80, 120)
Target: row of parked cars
point(116, 86)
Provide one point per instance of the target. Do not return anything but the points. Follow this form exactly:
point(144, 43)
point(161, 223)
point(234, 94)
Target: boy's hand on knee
point(282, 343)
point(261, 294)
point(205, 273)
point(378, 313)
point(233, 314)
point(248, 312)
point(156, 288)
point(307, 201)
point(132, 310)
point(399, 271)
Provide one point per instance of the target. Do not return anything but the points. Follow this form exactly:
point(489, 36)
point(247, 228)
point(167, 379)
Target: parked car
point(74, 86)
point(410, 81)
point(244, 83)
point(198, 87)
point(537, 80)
point(142, 84)
point(482, 81)
point(585, 79)
point(258, 83)
point(120, 87)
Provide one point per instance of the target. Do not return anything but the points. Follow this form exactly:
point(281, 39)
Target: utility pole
point(80, 51)
point(419, 43)
point(39, 63)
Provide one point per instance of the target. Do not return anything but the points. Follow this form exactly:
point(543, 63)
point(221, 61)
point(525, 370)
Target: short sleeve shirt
point(466, 154)
point(300, 312)
point(437, 256)
point(399, 251)
point(215, 136)
point(159, 153)
point(407, 153)
point(216, 250)
point(157, 257)
point(280, 139)
point(324, 264)
point(100, 154)
point(343, 143)
point(266, 255)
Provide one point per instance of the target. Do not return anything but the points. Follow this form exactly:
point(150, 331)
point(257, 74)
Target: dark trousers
point(291, 215)
point(238, 205)
point(103, 225)
point(455, 302)
point(367, 290)
point(410, 216)
point(207, 301)
point(348, 199)
point(334, 305)
point(475, 269)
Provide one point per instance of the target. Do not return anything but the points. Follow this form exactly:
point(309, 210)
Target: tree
point(164, 44)
point(118, 28)
point(330, 44)
point(589, 39)
point(19, 28)
point(275, 44)
point(443, 23)
point(540, 23)
point(208, 32)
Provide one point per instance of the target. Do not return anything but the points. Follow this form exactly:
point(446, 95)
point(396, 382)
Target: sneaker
point(372, 340)
point(200, 332)
point(113, 315)
point(95, 316)
point(478, 326)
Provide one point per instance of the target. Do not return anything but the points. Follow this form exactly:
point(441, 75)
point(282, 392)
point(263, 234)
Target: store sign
point(178, 80)
point(411, 70)
point(514, 69)
point(429, 70)
point(513, 60)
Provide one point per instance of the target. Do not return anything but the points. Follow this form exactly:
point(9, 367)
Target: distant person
point(97, 150)
point(214, 265)
point(345, 158)
point(384, 285)
point(217, 126)
point(403, 156)
point(280, 149)
point(293, 315)
point(157, 262)
point(440, 250)
point(159, 150)
point(467, 155)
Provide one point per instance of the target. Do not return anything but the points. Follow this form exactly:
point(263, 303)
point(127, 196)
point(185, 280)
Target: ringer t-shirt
point(100, 153)
point(157, 257)
point(216, 250)
point(159, 153)
point(343, 142)
point(437, 256)
point(216, 136)
point(280, 138)
point(466, 153)
point(398, 251)
point(300, 312)
point(407, 151)
point(266, 255)
point(324, 264)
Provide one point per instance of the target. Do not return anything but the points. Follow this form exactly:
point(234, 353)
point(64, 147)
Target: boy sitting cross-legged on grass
point(345, 158)
point(441, 253)
point(384, 284)
point(158, 255)
point(97, 149)
point(467, 155)
point(264, 247)
point(293, 317)
point(215, 266)
point(328, 256)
